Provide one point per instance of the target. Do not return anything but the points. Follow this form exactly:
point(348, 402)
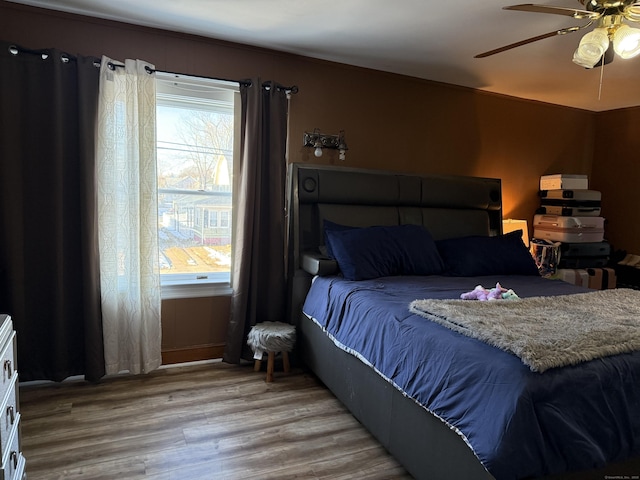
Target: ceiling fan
point(611, 34)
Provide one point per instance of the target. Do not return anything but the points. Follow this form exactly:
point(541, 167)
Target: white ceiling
point(420, 38)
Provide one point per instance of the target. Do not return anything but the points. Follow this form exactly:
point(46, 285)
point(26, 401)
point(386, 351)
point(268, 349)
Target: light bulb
point(591, 48)
point(342, 155)
point(626, 41)
point(318, 152)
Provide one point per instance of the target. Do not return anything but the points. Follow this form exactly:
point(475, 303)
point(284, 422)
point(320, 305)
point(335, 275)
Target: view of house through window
point(196, 125)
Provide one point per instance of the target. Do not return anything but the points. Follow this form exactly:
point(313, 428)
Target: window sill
point(195, 290)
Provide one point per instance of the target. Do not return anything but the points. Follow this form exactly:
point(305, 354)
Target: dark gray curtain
point(258, 277)
point(49, 277)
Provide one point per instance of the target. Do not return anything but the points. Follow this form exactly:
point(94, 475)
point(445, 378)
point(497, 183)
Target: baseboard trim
point(192, 354)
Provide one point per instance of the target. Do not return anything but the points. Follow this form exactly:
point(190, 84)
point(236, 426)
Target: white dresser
point(13, 462)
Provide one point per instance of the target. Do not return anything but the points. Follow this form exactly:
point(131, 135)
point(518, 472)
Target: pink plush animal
point(482, 294)
point(478, 293)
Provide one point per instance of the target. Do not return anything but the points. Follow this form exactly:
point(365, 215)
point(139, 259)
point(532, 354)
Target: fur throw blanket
point(546, 332)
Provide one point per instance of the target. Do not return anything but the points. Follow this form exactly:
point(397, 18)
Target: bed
point(443, 401)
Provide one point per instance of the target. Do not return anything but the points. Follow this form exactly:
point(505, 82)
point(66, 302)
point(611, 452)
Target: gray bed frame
point(449, 206)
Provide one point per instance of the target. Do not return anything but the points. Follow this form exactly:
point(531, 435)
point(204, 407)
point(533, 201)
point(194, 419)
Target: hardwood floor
point(211, 421)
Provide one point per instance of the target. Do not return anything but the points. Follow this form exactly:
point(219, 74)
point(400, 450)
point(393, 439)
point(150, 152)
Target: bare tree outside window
point(208, 138)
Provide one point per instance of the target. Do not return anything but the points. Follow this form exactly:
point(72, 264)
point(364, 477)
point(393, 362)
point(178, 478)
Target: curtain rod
point(247, 83)
point(65, 57)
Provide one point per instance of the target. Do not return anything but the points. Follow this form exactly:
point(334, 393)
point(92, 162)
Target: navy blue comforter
point(519, 423)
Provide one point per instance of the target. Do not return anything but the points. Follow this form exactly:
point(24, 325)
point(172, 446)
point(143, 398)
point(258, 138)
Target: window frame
point(190, 285)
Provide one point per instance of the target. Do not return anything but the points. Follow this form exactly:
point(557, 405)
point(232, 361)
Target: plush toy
point(496, 293)
point(484, 295)
point(509, 295)
point(478, 293)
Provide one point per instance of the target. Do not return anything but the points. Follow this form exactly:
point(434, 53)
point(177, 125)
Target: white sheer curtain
point(128, 217)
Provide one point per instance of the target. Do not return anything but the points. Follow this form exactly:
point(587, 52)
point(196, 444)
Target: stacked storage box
point(570, 215)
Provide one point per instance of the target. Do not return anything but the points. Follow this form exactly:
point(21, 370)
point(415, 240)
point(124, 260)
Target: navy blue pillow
point(381, 251)
point(480, 255)
point(327, 226)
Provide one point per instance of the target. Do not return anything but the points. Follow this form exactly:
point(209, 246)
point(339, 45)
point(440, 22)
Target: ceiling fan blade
point(564, 31)
point(569, 12)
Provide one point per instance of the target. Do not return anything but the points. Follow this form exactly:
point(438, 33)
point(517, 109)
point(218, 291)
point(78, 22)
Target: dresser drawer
point(13, 461)
point(7, 365)
point(9, 415)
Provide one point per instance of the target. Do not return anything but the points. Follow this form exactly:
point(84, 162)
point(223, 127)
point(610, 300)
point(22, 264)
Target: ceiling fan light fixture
point(632, 12)
point(626, 41)
point(591, 48)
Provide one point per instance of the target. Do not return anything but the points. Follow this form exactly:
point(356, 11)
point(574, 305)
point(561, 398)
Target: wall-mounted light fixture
point(319, 141)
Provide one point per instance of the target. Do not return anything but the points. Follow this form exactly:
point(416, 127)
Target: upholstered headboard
point(448, 206)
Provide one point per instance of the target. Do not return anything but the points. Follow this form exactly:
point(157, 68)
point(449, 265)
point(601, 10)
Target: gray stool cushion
point(271, 337)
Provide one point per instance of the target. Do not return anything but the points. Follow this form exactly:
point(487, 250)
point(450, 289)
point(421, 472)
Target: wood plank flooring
point(211, 421)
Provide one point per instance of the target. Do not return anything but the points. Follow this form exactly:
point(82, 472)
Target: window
point(197, 125)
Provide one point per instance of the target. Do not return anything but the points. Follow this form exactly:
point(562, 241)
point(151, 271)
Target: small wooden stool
point(271, 337)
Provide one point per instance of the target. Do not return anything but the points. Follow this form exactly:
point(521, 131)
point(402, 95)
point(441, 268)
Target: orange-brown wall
point(193, 328)
point(617, 174)
point(391, 122)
